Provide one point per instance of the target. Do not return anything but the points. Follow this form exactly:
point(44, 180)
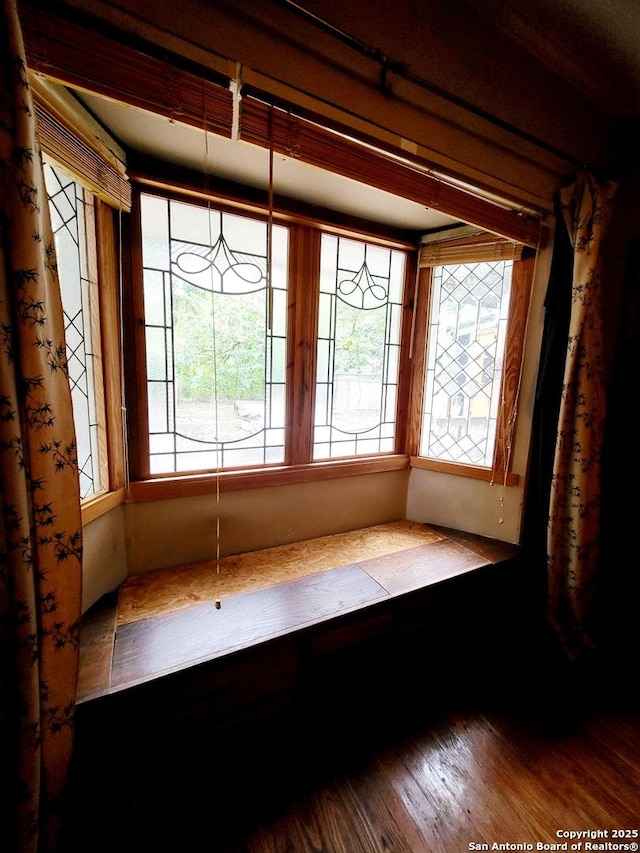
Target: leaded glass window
point(72, 220)
point(467, 333)
point(359, 326)
point(215, 331)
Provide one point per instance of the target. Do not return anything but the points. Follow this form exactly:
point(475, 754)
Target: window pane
point(70, 207)
point(358, 337)
point(467, 330)
point(216, 355)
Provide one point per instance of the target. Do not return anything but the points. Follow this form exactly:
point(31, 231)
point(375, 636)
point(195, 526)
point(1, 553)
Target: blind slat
point(469, 250)
point(101, 173)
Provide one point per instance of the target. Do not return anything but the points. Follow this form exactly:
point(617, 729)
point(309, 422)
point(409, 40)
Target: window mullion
point(304, 272)
point(108, 283)
point(135, 352)
point(513, 359)
point(421, 309)
point(403, 406)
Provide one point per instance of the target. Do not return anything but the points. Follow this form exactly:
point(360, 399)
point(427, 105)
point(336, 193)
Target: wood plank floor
point(423, 779)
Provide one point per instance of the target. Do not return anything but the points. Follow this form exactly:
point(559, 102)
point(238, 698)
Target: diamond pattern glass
point(467, 330)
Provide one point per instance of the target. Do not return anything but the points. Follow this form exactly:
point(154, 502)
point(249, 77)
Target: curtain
point(557, 312)
point(40, 537)
point(574, 511)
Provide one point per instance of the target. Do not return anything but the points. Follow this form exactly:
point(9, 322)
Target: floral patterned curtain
point(574, 518)
point(40, 536)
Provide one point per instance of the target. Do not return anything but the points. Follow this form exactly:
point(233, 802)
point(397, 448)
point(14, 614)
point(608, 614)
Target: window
point(72, 219)
point(325, 361)
point(473, 303)
point(246, 370)
point(87, 190)
point(465, 355)
point(359, 325)
point(215, 331)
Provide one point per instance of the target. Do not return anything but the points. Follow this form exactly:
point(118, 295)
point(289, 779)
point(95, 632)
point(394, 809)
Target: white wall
point(162, 534)
point(105, 556)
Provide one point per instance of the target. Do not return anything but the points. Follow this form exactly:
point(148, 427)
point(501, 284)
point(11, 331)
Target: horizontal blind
point(94, 165)
point(77, 56)
point(469, 250)
point(265, 125)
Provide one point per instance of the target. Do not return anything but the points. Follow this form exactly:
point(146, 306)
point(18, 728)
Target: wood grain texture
point(438, 781)
point(167, 620)
point(146, 649)
point(97, 637)
point(421, 566)
point(154, 593)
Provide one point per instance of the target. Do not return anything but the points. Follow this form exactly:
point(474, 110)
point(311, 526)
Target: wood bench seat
point(164, 623)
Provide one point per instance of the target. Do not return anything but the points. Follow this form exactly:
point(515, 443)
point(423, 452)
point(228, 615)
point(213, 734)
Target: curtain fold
point(557, 311)
point(41, 534)
point(573, 535)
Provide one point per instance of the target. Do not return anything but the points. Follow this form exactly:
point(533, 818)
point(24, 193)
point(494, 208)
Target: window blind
point(77, 56)
point(75, 144)
point(471, 249)
point(294, 136)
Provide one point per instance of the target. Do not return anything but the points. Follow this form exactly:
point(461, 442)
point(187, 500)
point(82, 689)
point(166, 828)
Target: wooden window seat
point(348, 602)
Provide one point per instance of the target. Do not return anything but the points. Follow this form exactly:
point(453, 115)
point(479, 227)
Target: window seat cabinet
point(436, 610)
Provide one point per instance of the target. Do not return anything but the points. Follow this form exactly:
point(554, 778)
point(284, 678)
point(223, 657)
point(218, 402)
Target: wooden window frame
point(71, 147)
point(102, 269)
point(304, 264)
point(522, 282)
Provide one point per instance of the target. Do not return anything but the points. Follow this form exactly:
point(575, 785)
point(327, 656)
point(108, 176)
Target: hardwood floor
point(509, 764)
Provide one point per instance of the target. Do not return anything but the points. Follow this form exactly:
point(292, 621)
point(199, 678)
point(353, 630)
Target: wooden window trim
point(101, 504)
point(90, 203)
point(135, 357)
point(500, 471)
point(108, 263)
point(404, 405)
point(189, 485)
point(171, 182)
point(304, 264)
point(418, 356)
point(304, 260)
point(459, 469)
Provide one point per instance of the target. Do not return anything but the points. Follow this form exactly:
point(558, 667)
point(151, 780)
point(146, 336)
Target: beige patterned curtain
point(574, 519)
point(40, 537)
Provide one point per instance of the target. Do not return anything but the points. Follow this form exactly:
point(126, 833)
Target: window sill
point(458, 469)
point(188, 485)
point(99, 505)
